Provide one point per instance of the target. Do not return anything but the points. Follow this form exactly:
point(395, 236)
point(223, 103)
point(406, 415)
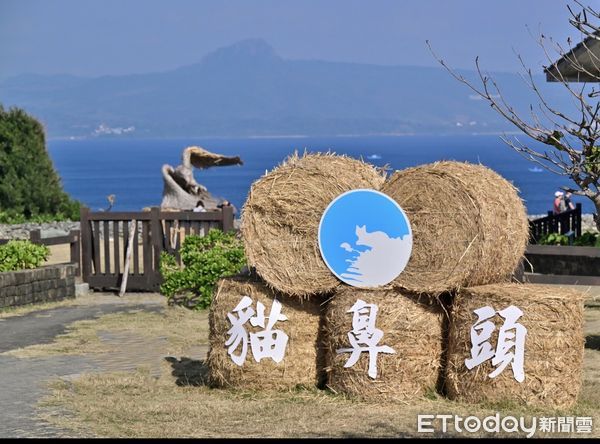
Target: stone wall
point(564, 264)
point(44, 284)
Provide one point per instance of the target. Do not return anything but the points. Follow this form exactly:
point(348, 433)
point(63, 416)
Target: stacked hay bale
point(279, 227)
point(469, 230)
point(412, 326)
point(281, 219)
point(553, 346)
point(469, 226)
point(300, 364)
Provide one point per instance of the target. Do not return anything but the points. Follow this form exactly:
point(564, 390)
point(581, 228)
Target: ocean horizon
point(92, 169)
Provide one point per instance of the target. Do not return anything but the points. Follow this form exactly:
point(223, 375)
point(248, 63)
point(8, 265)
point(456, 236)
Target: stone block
point(8, 279)
point(82, 289)
point(21, 277)
point(71, 270)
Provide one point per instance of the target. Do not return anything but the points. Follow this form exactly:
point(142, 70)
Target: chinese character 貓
point(510, 348)
point(267, 343)
point(364, 337)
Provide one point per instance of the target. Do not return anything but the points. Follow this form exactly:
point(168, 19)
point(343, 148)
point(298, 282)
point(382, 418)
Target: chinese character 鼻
point(364, 337)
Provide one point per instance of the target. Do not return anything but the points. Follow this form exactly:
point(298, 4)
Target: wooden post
point(578, 218)
point(35, 236)
point(147, 244)
point(128, 257)
point(157, 243)
point(86, 244)
point(76, 250)
point(227, 214)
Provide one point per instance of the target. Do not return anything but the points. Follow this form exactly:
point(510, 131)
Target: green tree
point(29, 185)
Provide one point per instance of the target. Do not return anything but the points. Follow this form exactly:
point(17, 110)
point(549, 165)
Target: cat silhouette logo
point(365, 238)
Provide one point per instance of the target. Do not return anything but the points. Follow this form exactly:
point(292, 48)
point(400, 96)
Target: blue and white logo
point(365, 238)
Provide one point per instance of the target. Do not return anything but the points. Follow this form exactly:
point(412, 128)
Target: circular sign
point(365, 238)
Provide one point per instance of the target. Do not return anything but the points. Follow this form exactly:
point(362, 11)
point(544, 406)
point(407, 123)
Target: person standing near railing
point(560, 205)
point(569, 205)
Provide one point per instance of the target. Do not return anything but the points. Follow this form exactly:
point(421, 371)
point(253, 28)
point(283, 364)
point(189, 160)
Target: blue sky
point(136, 36)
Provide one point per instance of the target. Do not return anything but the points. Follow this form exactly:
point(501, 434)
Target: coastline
point(54, 229)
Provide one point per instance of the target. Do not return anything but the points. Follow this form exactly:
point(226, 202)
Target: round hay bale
point(412, 326)
point(302, 353)
point(553, 347)
point(281, 216)
point(469, 226)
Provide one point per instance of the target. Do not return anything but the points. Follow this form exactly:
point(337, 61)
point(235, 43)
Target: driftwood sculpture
point(181, 191)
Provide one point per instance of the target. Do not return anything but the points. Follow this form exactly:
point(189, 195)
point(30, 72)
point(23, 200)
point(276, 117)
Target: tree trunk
point(596, 201)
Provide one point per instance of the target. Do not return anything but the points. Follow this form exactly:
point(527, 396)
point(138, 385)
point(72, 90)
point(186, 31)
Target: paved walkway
point(23, 381)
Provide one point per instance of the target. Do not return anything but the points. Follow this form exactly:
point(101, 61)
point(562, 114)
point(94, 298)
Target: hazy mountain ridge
point(247, 89)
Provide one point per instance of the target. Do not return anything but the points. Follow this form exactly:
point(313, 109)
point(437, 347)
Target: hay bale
point(300, 362)
point(412, 326)
point(469, 226)
point(281, 218)
point(554, 345)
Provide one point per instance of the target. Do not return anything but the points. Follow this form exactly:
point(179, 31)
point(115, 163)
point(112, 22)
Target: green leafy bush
point(587, 239)
point(30, 188)
point(22, 254)
point(554, 239)
point(205, 260)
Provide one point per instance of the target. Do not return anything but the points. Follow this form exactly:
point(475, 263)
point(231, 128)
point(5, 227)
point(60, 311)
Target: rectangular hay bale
point(551, 331)
point(301, 359)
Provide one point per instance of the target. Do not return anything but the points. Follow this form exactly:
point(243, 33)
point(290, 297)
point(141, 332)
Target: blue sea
point(92, 169)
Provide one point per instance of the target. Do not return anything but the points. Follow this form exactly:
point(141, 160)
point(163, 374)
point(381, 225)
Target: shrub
point(205, 260)
point(554, 239)
point(587, 239)
point(30, 188)
point(22, 254)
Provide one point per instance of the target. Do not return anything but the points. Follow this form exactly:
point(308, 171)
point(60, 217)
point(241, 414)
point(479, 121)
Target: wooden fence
point(556, 223)
point(105, 235)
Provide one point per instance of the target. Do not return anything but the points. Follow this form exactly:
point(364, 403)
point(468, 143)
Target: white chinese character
point(481, 349)
point(583, 424)
point(547, 424)
point(510, 348)
point(268, 343)
point(364, 333)
point(565, 424)
point(237, 333)
point(511, 336)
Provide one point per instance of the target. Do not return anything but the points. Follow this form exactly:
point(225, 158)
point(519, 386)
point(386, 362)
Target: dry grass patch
point(8, 312)
point(137, 405)
point(181, 327)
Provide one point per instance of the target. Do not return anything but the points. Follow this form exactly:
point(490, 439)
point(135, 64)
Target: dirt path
point(24, 380)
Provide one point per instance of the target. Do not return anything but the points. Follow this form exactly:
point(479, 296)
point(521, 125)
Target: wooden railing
point(563, 223)
point(105, 235)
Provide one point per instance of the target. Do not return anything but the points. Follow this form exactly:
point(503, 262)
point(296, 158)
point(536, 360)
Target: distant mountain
point(247, 89)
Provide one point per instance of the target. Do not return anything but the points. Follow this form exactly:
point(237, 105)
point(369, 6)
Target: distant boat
point(374, 157)
point(536, 170)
